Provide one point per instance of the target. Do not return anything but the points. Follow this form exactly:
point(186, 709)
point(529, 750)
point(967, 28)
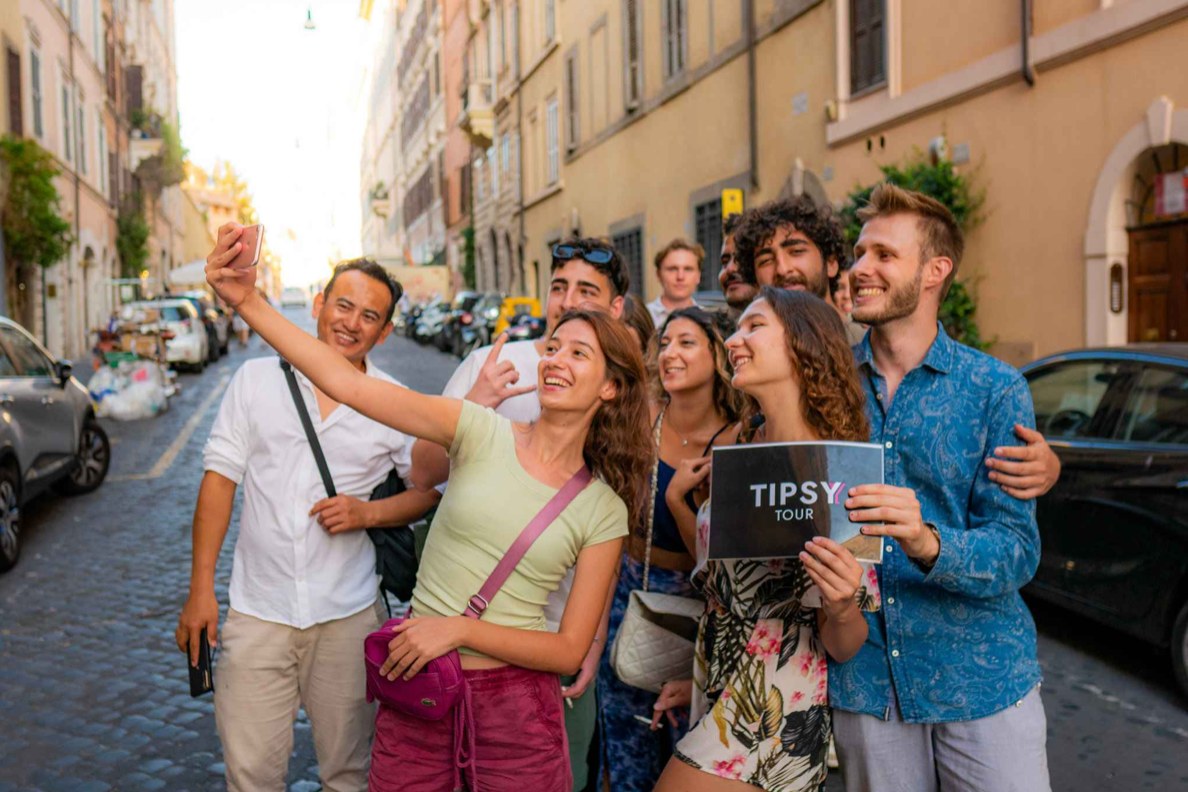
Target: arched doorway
point(1136, 253)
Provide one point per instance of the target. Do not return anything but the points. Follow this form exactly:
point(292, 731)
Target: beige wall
point(1038, 152)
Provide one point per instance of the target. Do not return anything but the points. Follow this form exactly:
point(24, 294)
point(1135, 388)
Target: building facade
point(403, 184)
point(96, 85)
point(1070, 117)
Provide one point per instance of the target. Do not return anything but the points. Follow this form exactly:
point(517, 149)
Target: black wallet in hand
point(201, 675)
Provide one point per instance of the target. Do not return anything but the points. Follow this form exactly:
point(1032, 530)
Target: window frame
point(674, 38)
point(623, 242)
point(1103, 422)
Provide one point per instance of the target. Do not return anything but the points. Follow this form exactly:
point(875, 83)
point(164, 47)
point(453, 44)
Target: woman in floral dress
point(760, 699)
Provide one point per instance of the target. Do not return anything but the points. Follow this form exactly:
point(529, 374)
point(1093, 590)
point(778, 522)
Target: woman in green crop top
point(594, 412)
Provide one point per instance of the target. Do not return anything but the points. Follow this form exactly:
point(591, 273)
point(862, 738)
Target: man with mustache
point(735, 288)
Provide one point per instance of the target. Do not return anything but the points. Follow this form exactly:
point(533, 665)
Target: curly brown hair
point(618, 446)
point(757, 226)
point(831, 396)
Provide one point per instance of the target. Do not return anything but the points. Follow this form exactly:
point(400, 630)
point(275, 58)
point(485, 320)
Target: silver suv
point(48, 433)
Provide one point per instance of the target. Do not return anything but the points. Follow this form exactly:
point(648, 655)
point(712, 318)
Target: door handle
point(47, 400)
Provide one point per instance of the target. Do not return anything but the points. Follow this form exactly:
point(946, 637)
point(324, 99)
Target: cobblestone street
point(94, 694)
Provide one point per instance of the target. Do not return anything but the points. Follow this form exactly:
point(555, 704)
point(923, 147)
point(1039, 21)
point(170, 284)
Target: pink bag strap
point(543, 519)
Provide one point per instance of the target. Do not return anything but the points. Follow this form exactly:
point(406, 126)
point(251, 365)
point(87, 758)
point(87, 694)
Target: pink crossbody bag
point(438, 689)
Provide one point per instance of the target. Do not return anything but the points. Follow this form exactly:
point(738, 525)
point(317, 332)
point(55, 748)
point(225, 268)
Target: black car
point(1115, 527)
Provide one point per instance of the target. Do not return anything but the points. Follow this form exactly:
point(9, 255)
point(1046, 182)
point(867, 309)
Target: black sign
point(769, 499)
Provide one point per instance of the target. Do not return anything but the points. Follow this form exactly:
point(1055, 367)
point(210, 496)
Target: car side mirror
point(63, 369)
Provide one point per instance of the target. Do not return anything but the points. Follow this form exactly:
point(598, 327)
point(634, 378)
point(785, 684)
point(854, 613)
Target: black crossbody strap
point(307, 424)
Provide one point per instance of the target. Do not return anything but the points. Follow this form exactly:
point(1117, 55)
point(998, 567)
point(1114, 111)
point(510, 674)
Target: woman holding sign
point(594, 415)
point(694, 408)
point(760, 699)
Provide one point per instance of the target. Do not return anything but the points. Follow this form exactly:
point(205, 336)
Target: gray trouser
point(1003, 752)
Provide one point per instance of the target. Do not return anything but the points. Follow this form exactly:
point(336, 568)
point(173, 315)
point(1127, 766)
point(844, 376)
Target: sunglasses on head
point(598, 255)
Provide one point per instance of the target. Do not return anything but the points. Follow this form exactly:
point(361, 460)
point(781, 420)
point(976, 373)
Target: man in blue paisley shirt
point(944, 695)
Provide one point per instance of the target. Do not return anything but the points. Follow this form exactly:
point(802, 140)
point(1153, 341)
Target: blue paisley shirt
point(956, 642)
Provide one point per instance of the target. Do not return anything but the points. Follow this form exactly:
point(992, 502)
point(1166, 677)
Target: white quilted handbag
point(655, 641)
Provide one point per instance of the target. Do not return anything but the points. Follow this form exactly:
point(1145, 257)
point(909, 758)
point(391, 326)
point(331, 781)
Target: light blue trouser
point(1003, 752)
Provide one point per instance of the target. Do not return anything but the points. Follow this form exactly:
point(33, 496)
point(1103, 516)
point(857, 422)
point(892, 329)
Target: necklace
point(684, 440)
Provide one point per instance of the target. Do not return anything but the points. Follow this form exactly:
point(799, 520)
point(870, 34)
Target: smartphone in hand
point(252, 240)
point(201, 675)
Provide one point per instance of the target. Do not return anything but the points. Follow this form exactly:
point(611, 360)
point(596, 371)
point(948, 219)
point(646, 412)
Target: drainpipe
point(1025, 42)
point(520, 166)
point(752, 101)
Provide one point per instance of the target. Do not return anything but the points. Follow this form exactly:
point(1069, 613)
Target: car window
point(1157, 409)
point(7, 369)
point(1066, 395)
point(173, 313)
point(29, 359)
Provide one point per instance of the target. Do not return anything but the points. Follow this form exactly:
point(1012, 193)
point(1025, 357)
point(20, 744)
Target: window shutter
point(134, 85)
point(867, 47)
point(572, 121)
point(15, 122)
point(632, 64)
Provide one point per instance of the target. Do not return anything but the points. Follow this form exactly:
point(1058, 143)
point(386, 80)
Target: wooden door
point(1158, 282)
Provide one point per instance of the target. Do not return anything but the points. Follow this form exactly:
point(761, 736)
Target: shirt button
point(879, 396)
point(895, 653)
point(888, 444)
point(890, 548)
point(890, 600)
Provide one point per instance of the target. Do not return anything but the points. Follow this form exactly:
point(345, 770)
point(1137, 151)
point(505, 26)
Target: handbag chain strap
point(652, 506)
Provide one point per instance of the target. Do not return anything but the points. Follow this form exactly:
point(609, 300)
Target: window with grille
point(552, 140)
point(707, 219)
point(674, 37)
point(868, 36)
point(67, 122)
point(630, 247)
point(572, 120)
point(632, 62)
point(82, 137)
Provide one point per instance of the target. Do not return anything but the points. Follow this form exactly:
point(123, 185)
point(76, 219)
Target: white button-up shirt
point(287, 568)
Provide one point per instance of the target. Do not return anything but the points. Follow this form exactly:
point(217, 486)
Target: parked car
point(451, 324)
point(525, 328)
point(1114, 530)
point(49, 436)
point(513, 307)
point(189, 345)
point(216, 321)
point(294, 297)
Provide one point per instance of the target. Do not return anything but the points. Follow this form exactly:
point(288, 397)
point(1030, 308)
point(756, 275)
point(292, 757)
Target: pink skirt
point(519, 739)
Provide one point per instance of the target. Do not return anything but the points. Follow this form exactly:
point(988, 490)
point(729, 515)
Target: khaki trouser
point(265, 671)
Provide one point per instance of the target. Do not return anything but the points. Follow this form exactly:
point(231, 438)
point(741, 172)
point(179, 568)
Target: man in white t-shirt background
point(586, 273)
point(678, 267)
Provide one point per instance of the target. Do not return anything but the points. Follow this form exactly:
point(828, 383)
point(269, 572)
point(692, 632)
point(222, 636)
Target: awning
point(191, 274)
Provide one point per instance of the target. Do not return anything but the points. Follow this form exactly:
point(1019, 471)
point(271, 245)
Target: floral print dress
point(760, 709)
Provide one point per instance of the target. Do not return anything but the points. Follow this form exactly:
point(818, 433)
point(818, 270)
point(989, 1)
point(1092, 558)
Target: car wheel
point(1179, 648)
point(94, 458)
point(10, 518)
